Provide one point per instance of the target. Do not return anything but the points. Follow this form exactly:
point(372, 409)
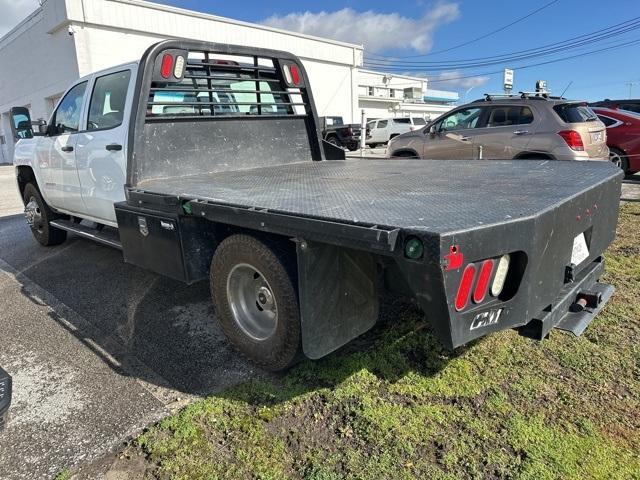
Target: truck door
point(101, 146)
point(452, 136)
point(56, 156)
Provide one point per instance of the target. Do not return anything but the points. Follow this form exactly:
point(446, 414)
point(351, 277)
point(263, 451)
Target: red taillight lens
point(464, 289)
point(573, 139)
point(295, 75)
point(483, 281)
point(167, 64)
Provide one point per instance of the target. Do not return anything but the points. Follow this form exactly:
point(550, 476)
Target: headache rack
point(201, 107)
point(212, 83)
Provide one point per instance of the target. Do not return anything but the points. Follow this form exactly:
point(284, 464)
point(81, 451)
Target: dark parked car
point(623, 137)
point(629, 104)
point(5, 397)
point(337, 133)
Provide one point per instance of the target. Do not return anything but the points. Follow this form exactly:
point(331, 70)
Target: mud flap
point(338, 296)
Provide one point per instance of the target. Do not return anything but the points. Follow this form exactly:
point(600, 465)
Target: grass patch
point(401, 407)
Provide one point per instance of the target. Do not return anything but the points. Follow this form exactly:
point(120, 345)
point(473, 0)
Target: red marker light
point(464, 289)
point(454, 259)
point(295, 74)
point(167, 64)
point(483, 281)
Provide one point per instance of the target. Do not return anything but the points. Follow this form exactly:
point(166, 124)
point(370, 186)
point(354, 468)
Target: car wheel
point(405, 155)
point(333, 141)
point(39, 215)
point(256, 302)
point(617, 157)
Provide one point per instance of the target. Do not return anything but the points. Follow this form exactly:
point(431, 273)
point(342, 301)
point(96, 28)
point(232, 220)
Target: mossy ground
point(396, 405)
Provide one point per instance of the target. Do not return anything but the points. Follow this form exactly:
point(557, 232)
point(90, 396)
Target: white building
point(66, 39)
point(383, 95)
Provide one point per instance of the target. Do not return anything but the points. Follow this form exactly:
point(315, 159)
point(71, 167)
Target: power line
point(482, 37)
point(622, 45)
point(549, 49)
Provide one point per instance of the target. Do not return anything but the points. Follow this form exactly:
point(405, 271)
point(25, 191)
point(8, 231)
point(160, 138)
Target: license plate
point(580, 250)
point(596, 137)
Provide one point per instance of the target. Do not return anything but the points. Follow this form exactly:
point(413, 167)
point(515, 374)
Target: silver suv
point(506, 127)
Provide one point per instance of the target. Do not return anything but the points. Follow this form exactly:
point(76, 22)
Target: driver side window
point(66, 118)
point(460, 120)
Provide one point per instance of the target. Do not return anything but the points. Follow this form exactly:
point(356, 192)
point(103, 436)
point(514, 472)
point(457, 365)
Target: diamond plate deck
point(436, 196)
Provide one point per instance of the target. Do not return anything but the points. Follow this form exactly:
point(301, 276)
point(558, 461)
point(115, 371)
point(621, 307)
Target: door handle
point(67, 148)
point(521, 132)
point(465, 139)
point(114, 147)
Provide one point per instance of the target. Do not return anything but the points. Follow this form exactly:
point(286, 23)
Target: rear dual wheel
point(255, 300)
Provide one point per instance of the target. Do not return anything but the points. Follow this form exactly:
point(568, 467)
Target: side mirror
point(20, 123)
point(42, 126)
point(432, 130)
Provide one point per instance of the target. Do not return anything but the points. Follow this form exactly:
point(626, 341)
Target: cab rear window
point(575, 113)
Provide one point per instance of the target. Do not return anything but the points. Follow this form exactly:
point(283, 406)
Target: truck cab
point(79, 161)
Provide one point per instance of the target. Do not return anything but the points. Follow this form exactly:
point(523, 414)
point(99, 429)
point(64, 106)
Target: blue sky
point(418, 27)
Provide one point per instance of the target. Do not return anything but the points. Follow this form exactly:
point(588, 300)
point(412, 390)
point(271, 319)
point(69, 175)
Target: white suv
point(383, 130)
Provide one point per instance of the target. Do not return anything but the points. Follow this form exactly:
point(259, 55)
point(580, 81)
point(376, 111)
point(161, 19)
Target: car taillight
point(464, 289)
point(572, 139)
point(482, 285)
point(165, 67)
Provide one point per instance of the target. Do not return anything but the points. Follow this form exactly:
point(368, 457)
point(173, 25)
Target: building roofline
point(208, 16)
point(28, 18)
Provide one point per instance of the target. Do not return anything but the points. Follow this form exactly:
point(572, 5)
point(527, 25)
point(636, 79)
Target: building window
point(370, 91)
point(392, 93)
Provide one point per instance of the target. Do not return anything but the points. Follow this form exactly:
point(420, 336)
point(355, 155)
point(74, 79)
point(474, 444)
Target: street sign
point(508, 79)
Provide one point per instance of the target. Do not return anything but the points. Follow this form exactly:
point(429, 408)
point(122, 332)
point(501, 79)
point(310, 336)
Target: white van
point(383, 130)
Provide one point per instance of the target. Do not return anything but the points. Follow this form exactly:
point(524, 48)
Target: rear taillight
point(501, 275)
point(482, 285)
point(167, 64)
point(464, 289)
point(573, 139)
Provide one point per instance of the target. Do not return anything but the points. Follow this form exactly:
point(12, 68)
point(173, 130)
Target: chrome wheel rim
point(252, 302)
point(615, 159)
point(33, 215)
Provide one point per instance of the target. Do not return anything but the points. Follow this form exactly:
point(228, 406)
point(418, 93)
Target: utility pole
point(631, 85)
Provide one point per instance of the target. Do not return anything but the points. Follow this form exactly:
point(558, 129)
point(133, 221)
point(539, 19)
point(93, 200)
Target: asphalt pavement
point(98, 349)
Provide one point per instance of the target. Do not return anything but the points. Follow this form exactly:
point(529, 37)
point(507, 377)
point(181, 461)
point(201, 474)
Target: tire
point(41, 215)
point(405, 155)
point(254, 295)
point(618, 157)
point(333, 140)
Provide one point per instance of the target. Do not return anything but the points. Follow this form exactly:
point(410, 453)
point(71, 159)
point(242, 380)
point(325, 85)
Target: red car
point(623, 137)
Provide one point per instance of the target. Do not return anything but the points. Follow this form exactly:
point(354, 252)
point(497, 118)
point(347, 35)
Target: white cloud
point(13, 11)
point(457, 79)
point(376, 31)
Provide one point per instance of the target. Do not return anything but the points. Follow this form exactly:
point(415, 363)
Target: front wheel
point(39, 215)
point(255, 301)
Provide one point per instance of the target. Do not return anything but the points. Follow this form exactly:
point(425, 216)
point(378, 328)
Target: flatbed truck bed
point(431, 196)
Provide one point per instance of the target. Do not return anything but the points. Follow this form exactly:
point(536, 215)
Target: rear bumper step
point(563, 315)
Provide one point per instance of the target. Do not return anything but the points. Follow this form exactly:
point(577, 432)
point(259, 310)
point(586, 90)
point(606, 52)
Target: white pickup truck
point(205, 161)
